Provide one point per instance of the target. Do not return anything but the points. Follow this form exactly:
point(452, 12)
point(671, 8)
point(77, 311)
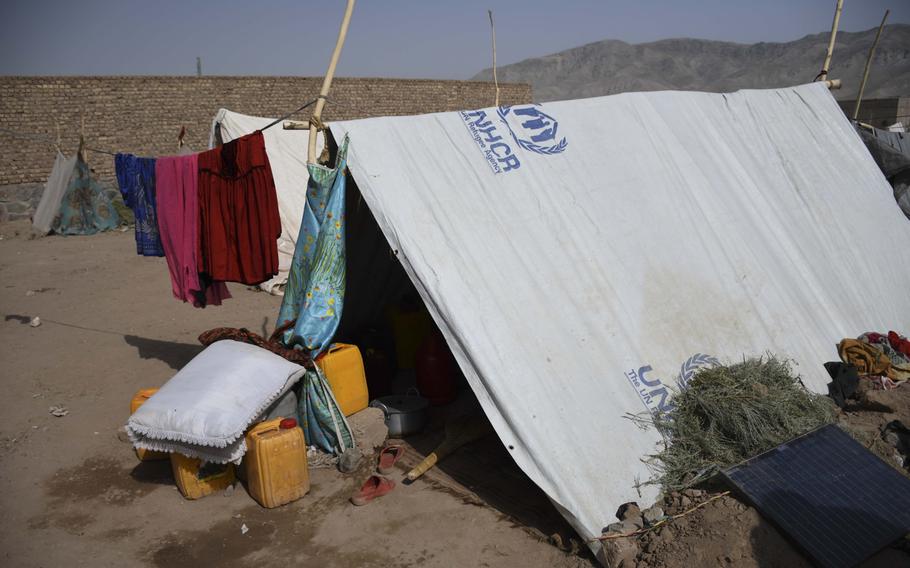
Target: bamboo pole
point(493, 33)
point(327, 82)
point(862, 86)
point(837, 11)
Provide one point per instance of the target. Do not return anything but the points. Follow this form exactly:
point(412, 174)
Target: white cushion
point(206, 408)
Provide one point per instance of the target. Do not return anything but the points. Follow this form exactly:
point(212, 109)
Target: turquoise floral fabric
point(314, 295)
point(321, 419)
point(85, 208)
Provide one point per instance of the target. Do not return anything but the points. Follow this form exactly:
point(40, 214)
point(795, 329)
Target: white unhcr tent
point(583, 258)
point(287, 152)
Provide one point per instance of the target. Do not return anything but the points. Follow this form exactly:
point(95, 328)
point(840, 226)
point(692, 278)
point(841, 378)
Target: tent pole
point(824, 73)
point(327, 83)
point(862, 86)
point(493, 33)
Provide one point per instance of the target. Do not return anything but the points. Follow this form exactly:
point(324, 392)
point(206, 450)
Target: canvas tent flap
point(52, 196)
point(287, 152)
point(583, 258)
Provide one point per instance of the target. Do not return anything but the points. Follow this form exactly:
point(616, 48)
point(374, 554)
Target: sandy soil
point(73, 494)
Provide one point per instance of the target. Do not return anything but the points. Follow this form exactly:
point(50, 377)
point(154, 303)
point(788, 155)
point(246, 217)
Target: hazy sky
point(389, 38)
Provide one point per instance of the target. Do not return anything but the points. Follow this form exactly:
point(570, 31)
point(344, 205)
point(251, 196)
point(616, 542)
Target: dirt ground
point(72, 492)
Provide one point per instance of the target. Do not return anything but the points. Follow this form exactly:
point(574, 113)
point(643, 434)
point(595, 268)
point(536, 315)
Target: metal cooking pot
point(404, 414)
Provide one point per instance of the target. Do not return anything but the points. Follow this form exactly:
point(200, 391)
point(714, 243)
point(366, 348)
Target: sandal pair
point(378, 485)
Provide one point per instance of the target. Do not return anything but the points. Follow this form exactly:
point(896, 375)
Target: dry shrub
point(730, 413)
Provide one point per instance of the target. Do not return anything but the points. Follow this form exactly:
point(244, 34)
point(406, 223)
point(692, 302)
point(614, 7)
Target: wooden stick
point(833, 84)
point(824, 74)
point(493, 33)
point(862, 86)
point(458, 433)
point(327, 82)
point(295, 125)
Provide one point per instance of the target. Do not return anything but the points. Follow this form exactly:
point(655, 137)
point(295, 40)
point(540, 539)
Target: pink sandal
point(374, 487)
point(387, 458)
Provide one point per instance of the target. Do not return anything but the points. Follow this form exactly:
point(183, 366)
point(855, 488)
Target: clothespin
point(180, 137)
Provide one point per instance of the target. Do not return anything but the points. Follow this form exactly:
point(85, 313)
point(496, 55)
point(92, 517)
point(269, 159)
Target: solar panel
point(835, 499)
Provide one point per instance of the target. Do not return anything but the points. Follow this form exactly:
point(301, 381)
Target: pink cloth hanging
point(176, 183)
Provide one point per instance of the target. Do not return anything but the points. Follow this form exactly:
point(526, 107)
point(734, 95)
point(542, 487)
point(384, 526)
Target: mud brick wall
point(143, 115)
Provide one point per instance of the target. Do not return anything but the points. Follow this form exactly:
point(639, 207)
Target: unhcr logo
point(525, 127)
point(655, 393)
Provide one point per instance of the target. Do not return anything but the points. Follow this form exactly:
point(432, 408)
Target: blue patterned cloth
point(85, 209)
point(321, 419)
point(136, 178)
point(314, 295)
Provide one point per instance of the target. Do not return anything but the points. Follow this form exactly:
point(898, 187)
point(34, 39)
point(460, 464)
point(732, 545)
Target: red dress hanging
point(239, 224)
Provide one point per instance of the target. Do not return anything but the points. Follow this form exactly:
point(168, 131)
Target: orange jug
point(275, 461)
point(343, 368)
point(196, 479)
point(138, 399)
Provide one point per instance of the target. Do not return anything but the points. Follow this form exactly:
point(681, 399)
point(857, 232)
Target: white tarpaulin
point(583, 257)
point(287, 152)
point(53, 193)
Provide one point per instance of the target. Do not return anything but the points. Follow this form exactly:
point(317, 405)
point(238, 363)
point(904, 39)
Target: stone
point(620, 552)
point(4, 213)
point(349, 460)
point(615, 528)
point(627, 510)
point(17, 206)
point(652, 515)
point(369, 428)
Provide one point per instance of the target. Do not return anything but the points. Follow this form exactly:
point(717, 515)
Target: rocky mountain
point(612, 66)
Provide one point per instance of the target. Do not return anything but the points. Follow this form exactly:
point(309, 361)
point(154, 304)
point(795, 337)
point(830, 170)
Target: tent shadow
point(485, 468)
point(176, 355)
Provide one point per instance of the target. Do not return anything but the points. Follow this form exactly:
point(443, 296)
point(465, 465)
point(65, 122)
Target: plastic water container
point(410, 325)
point(196, 479)
point(343, 368)
point(275, 461)
point(436, 370)
point(138, 400)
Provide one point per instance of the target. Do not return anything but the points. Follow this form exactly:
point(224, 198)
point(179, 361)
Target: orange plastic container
point(410, 325)
point(196, 480)
point(276, 467)
point(343, 368)
point(138, 399)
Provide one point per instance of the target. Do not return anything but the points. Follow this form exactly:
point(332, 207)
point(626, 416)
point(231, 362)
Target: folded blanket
point(206, 408)
point(871, 360)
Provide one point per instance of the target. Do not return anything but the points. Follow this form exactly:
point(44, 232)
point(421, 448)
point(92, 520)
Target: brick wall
point(143, 115)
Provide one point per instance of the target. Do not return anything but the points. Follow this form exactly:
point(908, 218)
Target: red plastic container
point(435, 370)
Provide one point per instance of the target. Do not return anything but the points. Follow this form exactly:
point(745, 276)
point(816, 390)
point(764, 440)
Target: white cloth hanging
point(287, 151)
point(54, 189)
